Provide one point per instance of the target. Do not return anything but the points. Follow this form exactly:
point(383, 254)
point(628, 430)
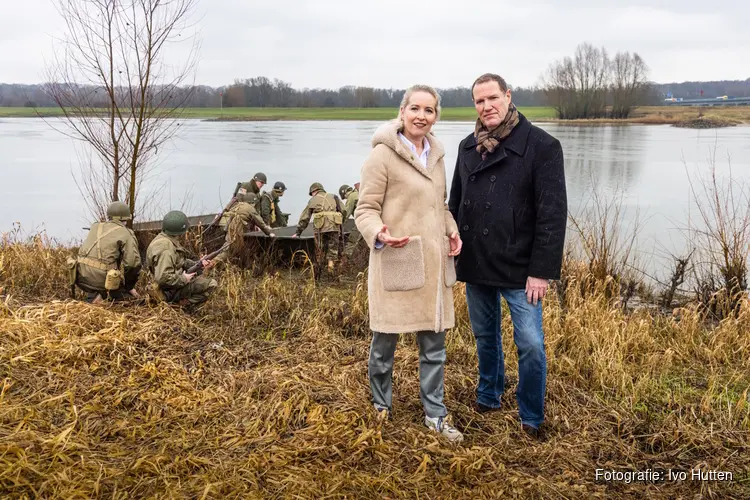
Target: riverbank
point(653, 115)
point(674, 115)
point(294, 114)
point(264, 392)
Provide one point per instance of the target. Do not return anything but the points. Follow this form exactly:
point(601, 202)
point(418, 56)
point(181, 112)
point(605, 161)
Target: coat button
point(485, 232)
point(487, 205)
point(466, 227)
point(492, 178)
point(472, 178)
point(466, 202)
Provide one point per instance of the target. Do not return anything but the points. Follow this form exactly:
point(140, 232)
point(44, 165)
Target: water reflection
point(610, 158)
point(199, 169)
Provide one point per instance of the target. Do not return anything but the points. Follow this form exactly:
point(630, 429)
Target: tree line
point(266, 92)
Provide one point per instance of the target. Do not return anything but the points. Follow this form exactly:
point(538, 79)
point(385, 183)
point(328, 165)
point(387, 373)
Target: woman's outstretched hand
point(385, 236)
point(456, 244)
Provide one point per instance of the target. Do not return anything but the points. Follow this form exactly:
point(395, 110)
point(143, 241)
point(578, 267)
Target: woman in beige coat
point(413, 239)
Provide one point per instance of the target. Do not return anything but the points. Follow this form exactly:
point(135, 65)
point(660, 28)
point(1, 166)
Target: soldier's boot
point(316, 270)
point(156, 293)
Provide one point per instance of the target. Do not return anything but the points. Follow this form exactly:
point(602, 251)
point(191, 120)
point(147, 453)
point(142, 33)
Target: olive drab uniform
point(245, 188)
point(352, 197)
point(252, 187)
point(242, 216)
point(355, 237)
point(109, 246)
point(167, 259)
point(327, 213)
point(270, 210)
point(248, 187)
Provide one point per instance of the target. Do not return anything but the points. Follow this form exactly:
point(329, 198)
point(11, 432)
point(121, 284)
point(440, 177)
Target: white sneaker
point(382, 413)
point(438, 424)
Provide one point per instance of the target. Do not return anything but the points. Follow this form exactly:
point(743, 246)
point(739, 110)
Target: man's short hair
point(490, 77)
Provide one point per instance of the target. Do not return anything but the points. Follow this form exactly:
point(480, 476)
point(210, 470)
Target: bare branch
point(113, 88)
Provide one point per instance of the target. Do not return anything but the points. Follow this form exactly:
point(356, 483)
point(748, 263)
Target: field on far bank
point(667, 115)
point(651, 115)
point(263, 114)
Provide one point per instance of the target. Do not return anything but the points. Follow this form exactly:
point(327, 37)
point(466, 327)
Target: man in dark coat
point(509, 199)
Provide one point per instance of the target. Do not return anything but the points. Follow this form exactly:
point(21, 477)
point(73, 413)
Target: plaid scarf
point(487, 140)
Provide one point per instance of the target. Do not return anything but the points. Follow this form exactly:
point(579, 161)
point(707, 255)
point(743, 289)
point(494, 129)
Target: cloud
point(395, 43)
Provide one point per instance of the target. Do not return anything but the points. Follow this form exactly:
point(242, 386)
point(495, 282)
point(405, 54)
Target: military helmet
point(314, 187)
point(260, 176)
point(248, 197)
point(118, 210)
point(345, 188)
point(175, 223)
point(279, 186)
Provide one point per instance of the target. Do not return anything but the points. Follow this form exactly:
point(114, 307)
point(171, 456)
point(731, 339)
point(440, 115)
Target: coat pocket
point(449, 269)
point(402, 269)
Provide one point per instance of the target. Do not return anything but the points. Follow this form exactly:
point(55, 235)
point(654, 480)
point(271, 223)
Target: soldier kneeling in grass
point(108, 263)
point(167, 260)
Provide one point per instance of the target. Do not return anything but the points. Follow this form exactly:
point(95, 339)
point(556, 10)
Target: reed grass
point(263, 392)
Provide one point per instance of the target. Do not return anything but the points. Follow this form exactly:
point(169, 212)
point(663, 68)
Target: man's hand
point(273, 235)
point(188, 277)
point(455, 244)
point(385, 236)
point(134, 293)
point(207, 264)
point(536, 289)
point(295, 235)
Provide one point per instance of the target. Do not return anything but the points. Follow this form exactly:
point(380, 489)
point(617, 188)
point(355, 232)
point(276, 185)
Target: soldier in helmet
point(326, 211)
point(242, 216)
point(108, 263)
point(167, 260)
point(254, 186)
point(351, 196)
point(269, 206)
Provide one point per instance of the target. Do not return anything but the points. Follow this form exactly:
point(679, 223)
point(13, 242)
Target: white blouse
point(413, 148)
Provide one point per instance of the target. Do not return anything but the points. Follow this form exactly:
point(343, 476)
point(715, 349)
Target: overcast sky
point(396, 43)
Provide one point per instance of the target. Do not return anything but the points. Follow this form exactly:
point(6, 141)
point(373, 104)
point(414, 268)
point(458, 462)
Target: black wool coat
point(511, 208)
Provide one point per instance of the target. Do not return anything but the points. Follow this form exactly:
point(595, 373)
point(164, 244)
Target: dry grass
point(668, 115)
point(264, 393)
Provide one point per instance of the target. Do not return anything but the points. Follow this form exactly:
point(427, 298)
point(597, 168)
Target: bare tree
point(560, 89)
point(629, 83)
point(583, 85)
point(117, 94)
point(577, 87)
point(591, 70)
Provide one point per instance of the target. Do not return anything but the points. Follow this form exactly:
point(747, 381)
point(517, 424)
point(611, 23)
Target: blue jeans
point(484, 313)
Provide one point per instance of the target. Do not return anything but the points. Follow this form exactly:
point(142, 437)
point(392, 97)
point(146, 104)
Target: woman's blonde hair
point(407, 95)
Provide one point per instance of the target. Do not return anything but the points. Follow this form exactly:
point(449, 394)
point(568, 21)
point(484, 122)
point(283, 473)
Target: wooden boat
point(284, 249)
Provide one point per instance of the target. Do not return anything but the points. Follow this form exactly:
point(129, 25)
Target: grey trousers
point(431, 370)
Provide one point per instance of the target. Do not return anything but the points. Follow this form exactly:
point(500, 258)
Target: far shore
point(651, 115)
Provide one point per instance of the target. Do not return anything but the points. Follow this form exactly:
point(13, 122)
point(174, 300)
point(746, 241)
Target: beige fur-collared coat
point(409, 288)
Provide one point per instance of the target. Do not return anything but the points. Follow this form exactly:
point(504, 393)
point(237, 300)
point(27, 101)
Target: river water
point(647, 165)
